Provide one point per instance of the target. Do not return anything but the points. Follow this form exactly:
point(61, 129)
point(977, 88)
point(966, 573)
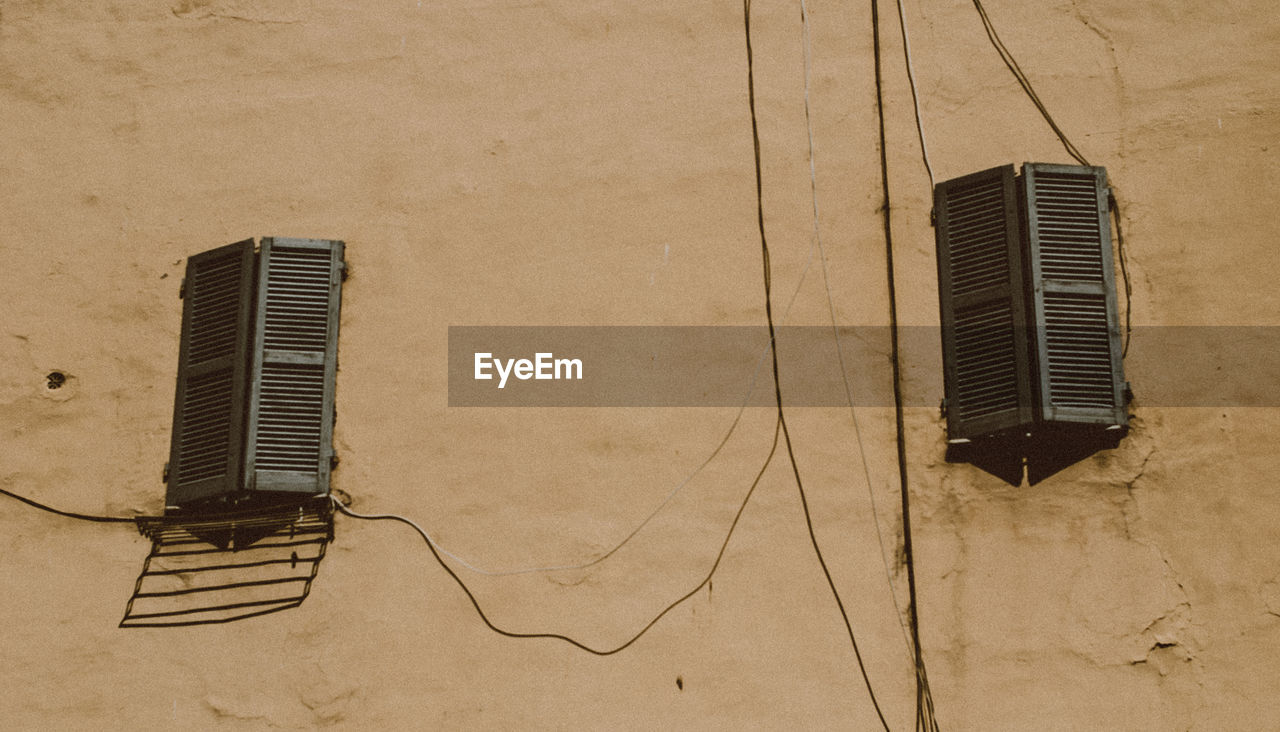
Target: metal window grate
point(230, 567)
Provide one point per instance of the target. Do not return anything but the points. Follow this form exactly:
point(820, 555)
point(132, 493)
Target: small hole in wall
point(56, 379)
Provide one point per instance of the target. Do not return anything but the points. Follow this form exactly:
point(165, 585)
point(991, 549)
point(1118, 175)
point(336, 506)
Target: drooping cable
point(1114, 204)
point(773, 345)
point(631, 535)
point(67, 514)
point(1025, 82)
point(924, 704)
point(835, 334)
point(915, 94)
point(558, 636)
point(746, 399)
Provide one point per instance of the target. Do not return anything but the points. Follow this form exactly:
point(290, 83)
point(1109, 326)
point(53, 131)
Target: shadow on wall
point(218, 569)
point(1039, 454)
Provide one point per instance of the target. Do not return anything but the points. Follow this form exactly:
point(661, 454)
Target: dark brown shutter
point(983, 313)
point(290, 427)
point(1080, 378)
point(206, 452)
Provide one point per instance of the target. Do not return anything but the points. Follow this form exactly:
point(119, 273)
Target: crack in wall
point(232, 10)
point(1131, 514)
point(1170, 641)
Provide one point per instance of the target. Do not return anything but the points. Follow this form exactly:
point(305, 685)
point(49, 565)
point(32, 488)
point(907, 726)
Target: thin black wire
point(1071, 149)
point(1025, 82)
point(915, 94)
point(1114, 203)
point(68, 514)
point(557, 636)
point(773, 347)
point(835, 335)
point(924, 701)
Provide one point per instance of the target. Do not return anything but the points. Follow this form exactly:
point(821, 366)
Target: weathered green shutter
point(294, 365)
point(982, 299)
point(1080, 378)
point(207, 448)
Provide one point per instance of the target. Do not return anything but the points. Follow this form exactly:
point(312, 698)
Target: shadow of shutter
point(268, 561)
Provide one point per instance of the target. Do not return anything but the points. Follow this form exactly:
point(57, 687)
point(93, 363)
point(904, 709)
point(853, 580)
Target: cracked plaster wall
point(590, 163)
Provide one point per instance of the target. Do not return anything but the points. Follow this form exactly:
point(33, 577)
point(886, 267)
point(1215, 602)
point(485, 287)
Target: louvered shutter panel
point(1080, 378)
point(206, 452)
point(983, 313)
point(290, 431)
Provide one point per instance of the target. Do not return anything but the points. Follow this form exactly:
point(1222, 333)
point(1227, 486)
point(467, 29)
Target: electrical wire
point(1025, 82)
point(431, 545)
point(924, 704)
point(652, 514)
point(438, 552)
point(1071, 149)
point(68, 514)
point(777, 383)
point(835, 333)
point(915, 94)
point(746, 399)
point(1114, 203)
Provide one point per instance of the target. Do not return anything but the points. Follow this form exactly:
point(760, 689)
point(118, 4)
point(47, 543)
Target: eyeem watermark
point(544, 366)
point(729, 366)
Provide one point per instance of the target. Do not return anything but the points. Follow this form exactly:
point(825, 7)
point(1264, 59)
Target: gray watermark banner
point(727, 366)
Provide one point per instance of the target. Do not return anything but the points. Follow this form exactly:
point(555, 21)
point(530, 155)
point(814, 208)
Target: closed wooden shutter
point(983, 313)
point(294, 365)
point(207, 448)
point(1080, 376)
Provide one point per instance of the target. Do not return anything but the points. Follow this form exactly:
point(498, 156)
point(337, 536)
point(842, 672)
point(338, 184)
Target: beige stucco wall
point(589, 162)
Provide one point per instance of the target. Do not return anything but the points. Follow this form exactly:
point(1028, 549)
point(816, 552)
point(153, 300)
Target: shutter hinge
point(164, 476)
point(933, 217)
point(344, 269)
point(333, 460)
point(182, 289)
